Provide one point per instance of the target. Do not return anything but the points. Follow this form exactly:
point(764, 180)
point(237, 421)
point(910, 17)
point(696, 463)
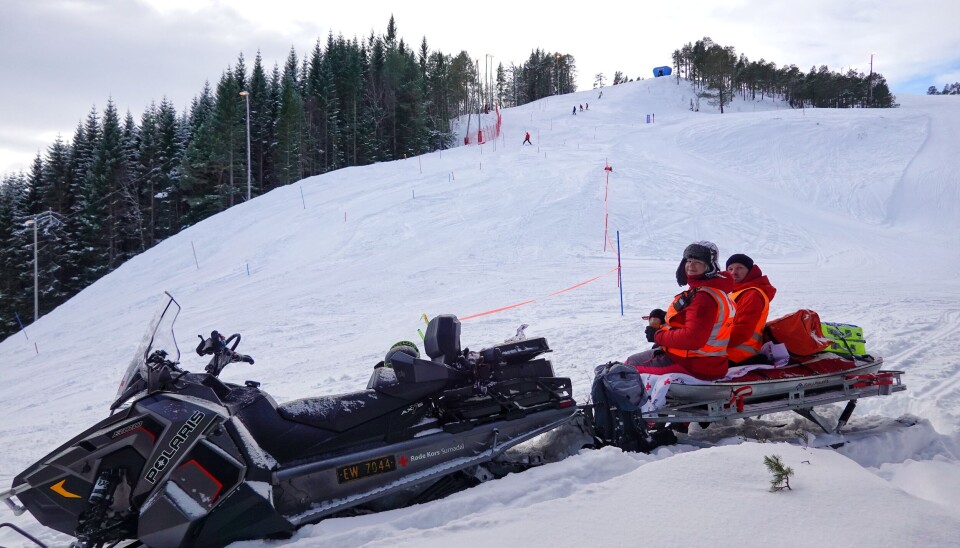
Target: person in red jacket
point(752, 293)
point(697, 329)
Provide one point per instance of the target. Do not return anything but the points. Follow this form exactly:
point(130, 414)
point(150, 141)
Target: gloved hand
point(651, 331)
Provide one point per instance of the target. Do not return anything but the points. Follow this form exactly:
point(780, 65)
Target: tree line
point(121, 184)
point(721, 74)
point(948, 89)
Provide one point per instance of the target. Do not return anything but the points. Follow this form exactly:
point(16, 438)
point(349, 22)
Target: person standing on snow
point(526, 140)
point(697, 327)
point(574, 110)
point(752, 293)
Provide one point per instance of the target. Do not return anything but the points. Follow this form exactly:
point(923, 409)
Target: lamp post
point(870, 79)
point(36, 287)
point(490, 79)
point(559, 87)
point(246, 99)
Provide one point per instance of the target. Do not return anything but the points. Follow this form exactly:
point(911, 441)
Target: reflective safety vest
point(750, 347)
point(716, 345)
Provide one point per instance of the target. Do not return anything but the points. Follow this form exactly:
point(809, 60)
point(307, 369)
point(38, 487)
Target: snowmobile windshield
point(158, 336)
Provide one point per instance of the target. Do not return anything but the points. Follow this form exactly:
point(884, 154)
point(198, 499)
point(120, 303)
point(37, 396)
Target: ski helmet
point(406, 347)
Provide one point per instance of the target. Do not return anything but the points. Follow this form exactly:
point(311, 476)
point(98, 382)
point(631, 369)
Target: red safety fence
point(487, 132)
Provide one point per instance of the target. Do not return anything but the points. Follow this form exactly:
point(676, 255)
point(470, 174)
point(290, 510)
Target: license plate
point(366, 468)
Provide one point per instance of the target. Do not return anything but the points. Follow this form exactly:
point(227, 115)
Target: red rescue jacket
point(752, 297)
point(696, 336)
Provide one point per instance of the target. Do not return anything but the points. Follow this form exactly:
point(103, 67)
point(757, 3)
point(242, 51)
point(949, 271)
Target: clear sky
point(62, 57)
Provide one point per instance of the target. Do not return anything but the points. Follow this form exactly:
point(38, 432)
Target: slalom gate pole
point(619, 273)
point(22, 328)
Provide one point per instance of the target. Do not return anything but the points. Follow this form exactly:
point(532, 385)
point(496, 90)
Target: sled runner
point(749, 391)
point(801, 395)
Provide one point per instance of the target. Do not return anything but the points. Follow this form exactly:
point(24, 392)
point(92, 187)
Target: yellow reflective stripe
point(751, 347)
point(725, 312)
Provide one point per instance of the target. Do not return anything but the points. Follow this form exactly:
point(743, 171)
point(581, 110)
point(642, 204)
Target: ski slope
point(853, 213)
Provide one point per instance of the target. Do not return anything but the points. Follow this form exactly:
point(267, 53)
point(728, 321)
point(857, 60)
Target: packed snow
point(853, 213)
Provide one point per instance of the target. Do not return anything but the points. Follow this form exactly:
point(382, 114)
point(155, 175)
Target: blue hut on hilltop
point(661, 71)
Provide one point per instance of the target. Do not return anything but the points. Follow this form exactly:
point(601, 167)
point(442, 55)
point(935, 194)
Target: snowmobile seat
point(342, 412)
point(442, 339)
point(410, 370)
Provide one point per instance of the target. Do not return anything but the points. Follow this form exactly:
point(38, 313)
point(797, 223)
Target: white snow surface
point(853, 213)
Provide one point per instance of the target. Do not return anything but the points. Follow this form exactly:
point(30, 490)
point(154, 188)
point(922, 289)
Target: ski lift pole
point(619, 273)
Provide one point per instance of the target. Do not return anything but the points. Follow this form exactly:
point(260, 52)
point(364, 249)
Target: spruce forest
point(122, 185)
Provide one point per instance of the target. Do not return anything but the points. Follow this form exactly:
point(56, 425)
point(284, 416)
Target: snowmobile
point(185, 459)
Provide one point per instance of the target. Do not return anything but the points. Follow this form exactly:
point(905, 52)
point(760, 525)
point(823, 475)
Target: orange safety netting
point(487, 132)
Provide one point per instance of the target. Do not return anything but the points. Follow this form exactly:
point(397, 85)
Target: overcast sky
point(62, 57)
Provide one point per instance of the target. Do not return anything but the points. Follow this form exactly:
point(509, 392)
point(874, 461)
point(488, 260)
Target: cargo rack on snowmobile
point(797, 399)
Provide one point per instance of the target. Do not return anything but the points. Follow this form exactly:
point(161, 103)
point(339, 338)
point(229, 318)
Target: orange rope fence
point(555, 293)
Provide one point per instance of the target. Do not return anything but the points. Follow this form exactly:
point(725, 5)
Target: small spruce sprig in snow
point(781, 473)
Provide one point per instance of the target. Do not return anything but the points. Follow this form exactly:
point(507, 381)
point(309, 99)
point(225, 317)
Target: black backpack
point(617, 394)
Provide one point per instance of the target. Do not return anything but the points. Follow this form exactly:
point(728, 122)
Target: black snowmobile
point(186, 459)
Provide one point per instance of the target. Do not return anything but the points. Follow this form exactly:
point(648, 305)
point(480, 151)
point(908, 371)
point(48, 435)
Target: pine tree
point(288, 154)
point(330, 108)
point(106, 207)
point(501, 84)
point(200, 181)
point(16, 254)
point(36, 187)
point(261, 125)
point(228, 144)
point(57, 176)
point(149, 171)
point(82, 251)
point(168, 201)
point(315, 133)
point(781, 473)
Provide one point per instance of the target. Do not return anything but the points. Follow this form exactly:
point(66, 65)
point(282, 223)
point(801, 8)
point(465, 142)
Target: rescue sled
point(826, 380)
point(640, 412)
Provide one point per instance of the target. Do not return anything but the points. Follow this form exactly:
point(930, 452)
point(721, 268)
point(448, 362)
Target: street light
point(870, 79)
point(36, 287)
point(488, 60)
point(558, 75)
point(246, 99)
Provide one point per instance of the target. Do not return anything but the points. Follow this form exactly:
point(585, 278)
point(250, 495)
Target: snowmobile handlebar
point(223, 351)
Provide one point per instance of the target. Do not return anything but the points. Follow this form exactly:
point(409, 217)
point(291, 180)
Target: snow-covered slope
point(853, 213)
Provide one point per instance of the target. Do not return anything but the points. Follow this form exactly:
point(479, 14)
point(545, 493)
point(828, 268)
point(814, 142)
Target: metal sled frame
point(798, 400)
